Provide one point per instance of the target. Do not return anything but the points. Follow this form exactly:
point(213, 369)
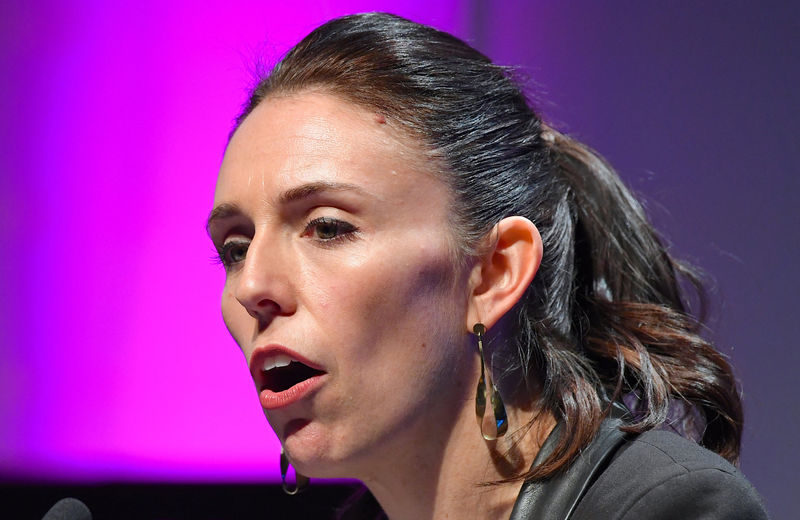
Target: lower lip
point(272, 400)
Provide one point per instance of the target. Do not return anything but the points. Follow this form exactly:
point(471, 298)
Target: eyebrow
point(313, 188)
point(221, 212)
point(231, 209)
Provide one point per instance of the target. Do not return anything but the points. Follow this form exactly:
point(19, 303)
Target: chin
point(315, 455)
point(319, 465)
point(311, 452)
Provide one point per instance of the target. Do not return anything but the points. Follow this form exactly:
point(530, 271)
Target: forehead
point(311, 137)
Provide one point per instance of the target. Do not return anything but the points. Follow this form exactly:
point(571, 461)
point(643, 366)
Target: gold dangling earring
point(500, 426)
point(301, 481)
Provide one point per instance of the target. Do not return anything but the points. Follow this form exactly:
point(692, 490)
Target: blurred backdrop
point(115, 364)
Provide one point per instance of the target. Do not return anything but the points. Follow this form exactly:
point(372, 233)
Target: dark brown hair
point(605, 318)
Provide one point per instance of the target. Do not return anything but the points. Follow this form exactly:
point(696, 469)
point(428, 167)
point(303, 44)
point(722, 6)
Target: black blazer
point(656, 475)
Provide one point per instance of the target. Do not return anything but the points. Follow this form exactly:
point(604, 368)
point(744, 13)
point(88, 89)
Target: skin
point(337, 243)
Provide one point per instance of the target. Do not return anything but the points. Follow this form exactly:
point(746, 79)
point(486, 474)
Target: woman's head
point(338, 254)
point(603, 316)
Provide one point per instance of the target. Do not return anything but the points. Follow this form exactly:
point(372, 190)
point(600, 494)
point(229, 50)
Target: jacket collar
point(558, 496)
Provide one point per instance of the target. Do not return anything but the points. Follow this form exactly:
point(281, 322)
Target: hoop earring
point(499, 426)
point(301, 481)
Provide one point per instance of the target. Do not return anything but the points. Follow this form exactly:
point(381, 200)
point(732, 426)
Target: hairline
point(461, 251)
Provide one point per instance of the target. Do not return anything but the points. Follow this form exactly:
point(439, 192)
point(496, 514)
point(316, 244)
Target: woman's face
point(341, 285)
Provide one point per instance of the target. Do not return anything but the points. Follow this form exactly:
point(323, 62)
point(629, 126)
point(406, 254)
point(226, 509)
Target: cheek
point(424, 288)
point(405, 356)
point(408, 301)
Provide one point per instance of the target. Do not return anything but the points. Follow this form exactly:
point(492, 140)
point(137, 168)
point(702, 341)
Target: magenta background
point(115, 363)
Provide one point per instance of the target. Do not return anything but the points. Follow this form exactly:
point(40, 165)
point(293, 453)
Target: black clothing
point(656, 475)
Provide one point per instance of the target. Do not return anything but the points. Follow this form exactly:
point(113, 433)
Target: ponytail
point(630, 324)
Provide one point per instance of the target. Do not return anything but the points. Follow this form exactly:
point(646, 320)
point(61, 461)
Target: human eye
point(327, 229)
point(232, 252)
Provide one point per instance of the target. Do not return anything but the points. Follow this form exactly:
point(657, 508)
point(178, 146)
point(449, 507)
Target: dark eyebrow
point(223, 211)
point(313, 188)
point(230, 209)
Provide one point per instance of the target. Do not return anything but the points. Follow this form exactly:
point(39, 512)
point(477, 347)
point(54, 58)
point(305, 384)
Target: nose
point(264, 285)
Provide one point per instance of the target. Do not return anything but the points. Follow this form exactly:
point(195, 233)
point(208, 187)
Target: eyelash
point(223, 253)
point(343, 231)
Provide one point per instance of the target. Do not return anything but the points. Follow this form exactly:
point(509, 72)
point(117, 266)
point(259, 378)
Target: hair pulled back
point(604, 318)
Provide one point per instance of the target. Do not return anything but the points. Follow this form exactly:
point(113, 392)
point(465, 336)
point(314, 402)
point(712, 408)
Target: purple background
point(115, 363)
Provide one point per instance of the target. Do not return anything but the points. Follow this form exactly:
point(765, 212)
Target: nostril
point(263, 310)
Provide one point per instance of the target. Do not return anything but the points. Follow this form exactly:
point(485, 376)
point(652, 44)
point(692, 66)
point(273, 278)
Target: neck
point(445, 474)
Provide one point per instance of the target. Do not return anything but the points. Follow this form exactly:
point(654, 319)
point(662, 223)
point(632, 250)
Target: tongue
point(283, 378)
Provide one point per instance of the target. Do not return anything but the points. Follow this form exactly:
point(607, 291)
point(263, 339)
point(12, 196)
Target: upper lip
point(261, 354)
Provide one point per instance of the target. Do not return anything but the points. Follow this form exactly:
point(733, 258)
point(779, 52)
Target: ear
point(503, 273)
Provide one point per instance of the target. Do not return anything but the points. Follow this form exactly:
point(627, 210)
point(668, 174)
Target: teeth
point(276, 361)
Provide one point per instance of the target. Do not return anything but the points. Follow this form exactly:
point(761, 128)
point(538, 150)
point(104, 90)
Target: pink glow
point(118, 365)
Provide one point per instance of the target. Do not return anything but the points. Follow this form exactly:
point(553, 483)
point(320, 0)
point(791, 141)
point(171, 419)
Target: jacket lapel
point(557, 497)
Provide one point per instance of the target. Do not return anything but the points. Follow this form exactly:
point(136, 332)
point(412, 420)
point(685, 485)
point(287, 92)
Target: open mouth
point(284, 374)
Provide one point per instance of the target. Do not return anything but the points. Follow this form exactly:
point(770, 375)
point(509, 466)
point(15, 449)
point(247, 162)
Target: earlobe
point(504, 272)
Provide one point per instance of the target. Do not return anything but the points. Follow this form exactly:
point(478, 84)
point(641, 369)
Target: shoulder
point(660, 475)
